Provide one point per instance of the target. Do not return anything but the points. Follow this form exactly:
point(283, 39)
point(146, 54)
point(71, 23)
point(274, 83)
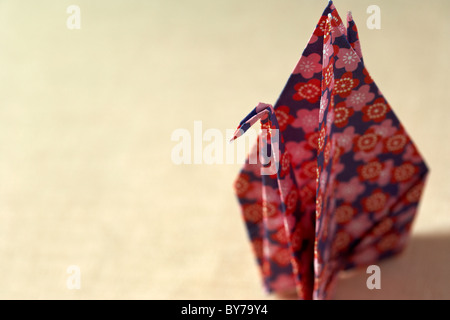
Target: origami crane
point(344, 179)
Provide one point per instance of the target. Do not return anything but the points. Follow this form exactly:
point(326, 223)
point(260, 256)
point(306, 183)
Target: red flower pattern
point(376, 111)
point(344, 86)
point(342, 114)
point(309, 91)
point(376, 201)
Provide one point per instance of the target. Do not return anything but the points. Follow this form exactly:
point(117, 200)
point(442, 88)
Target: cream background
point(86, 117)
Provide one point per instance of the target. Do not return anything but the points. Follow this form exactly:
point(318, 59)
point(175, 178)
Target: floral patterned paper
point(349, 177)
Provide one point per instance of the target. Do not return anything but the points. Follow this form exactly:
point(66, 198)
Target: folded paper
point(344, 179)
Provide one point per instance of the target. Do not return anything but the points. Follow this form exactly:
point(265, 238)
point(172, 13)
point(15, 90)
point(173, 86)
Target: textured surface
point(86, 116)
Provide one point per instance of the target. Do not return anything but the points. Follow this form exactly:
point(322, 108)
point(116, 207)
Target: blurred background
point(86, 117)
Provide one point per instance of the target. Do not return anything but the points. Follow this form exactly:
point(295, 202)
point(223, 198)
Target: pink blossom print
point(307, 120)
point(308, 66)
point(359, 98)
point(385, 129)
point(345, 138)
point(348, 59)
point(349, 191)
